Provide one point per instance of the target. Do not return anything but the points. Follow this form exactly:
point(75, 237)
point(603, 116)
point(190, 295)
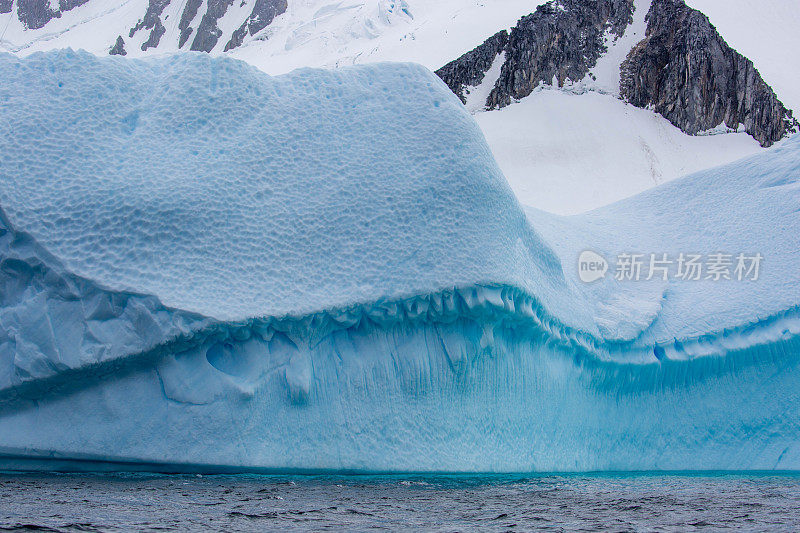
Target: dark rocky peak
point(560, 41)
point(151, 21)
point(687, 72)
point(119, 47)
point(470, 69)
point(683, 68)
point(264, 11)
point(34, 14)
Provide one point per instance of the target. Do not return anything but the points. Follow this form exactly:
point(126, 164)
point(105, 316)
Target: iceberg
point(205, 268)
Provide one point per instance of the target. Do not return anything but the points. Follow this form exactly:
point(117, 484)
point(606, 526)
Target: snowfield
point(198, 275)
point(569, 153)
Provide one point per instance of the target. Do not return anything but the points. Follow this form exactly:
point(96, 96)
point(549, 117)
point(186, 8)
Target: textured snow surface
point(234, 194)
point(205, 266)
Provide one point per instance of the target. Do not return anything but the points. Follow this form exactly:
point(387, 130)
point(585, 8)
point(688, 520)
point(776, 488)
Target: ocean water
point(618, 502)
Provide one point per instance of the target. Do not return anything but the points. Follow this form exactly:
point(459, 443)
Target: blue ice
point(204, 267)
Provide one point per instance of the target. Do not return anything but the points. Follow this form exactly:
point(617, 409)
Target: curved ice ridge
point(506, 307)
point(121, 327)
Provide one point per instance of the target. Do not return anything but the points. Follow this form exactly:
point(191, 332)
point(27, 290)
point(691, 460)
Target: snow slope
point(374, 300)
point(340, 34)
point(568, 152)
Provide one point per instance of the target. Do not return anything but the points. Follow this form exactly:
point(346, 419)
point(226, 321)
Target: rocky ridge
point(559, 42)
point(686, 72)
point(683, 69)
point(36, 13)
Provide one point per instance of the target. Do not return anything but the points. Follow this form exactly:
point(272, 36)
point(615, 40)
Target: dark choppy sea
point(641, 502)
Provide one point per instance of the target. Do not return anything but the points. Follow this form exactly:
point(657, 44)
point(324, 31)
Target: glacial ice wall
point(203, 267)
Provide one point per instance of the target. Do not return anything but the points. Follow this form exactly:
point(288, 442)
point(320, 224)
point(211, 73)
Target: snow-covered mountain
point(315, 33)
point(564, 147)
point(586, 59)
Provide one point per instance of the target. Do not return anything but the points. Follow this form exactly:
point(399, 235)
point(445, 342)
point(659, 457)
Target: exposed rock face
point(264, 11)
point(687, 73)
point(683, 68)
point(119, 48)
point(36, 13)
point(188, 15)
point(151, 21)
point(198, 24)
point(6, 5)
point(208, 33)
point(560, 41)
point(470, 69)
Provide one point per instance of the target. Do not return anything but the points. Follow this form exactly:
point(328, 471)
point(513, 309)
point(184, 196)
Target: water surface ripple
point(640, 502)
